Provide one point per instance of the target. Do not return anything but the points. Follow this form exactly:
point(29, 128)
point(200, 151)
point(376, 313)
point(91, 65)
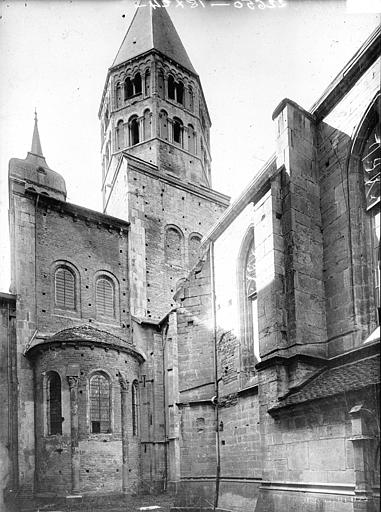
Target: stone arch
point(173, 245)
point(163, 125)
point(194, 243)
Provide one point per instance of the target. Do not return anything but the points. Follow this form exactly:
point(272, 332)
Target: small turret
point(35, 173)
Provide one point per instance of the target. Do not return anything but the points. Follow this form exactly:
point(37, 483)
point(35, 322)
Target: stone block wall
point(100, 454)
point(152, 202)
point(91, 247)
point(8, 398)
point(350, 306)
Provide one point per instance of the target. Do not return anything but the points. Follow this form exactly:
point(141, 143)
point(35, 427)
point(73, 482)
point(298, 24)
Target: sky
point(55, 56)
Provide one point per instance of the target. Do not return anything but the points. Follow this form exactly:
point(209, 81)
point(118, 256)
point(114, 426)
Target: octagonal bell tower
point(153, 105)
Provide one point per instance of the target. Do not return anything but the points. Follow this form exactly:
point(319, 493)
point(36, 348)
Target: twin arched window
point(100, 404)
point(175, 90)
point(132, 86)
point(65, 292)
point(53, 402)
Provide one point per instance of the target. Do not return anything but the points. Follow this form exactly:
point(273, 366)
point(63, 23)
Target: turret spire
point(36, 144)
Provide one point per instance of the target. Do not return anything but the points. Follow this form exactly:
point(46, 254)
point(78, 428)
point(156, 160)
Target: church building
point(228, 353)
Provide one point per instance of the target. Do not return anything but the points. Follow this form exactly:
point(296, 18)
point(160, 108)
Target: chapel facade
point(226, 352)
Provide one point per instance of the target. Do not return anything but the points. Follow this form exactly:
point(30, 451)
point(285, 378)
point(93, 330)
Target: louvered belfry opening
point(105, 298)
point(100, 404)
point(64, 288)
point(54, 406)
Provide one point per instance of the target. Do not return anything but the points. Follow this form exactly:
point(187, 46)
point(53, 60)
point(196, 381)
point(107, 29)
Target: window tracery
point(100, 404)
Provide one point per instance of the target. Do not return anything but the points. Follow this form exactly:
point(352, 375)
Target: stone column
point(75, 461)
point(124, 421)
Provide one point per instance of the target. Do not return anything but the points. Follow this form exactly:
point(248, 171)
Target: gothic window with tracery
point(100, 404)
point(64, 288)
point(371, 164)
point(54, 405)
point(249, 303)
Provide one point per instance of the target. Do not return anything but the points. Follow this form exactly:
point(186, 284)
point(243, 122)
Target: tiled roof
point(335, 381)
point(87, 334)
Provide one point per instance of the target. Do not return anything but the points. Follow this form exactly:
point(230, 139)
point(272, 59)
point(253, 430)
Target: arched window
point(190, 98)
point(178, 131)
point(163, 125)
point(371, 167)
point(106, 118)
point(133, 126)
point(100, 404)
point(53, 403)
point(173, 246)
point(193, 249)
point(160, 84)
point(137, 84)
point(147, 124)
point(128, 88)
point(171, 87)
point(191, 139)
point(147, 83)
point(120, 135)
point(64, 289)
point(118, 95)
point(105, 297)
point(135, 408)
point(248, 304)
point(180, 92)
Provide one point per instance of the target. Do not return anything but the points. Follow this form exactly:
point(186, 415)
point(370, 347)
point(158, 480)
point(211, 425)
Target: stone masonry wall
point(91, 248)
point(100, 454)
point(350, 313)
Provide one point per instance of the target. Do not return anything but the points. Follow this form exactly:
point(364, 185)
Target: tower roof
point(36, 148)
point(152, 29)
point(35, 172)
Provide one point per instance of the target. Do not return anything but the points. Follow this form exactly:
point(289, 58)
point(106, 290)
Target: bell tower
point(156, 157)
point(153, 104)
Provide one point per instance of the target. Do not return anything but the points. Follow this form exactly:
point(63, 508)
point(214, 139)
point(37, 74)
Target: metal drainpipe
point(218, 454)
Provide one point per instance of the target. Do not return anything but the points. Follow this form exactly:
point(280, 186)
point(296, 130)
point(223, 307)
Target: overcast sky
point(55, 55)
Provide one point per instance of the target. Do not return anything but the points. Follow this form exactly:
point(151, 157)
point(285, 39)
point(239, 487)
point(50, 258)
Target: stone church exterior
point(226, 352)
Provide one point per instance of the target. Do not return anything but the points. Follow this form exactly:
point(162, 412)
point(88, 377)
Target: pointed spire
point(36, 144)
point(151, 28)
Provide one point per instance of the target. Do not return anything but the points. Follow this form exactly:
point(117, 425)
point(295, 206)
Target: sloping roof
point(87, 334)
point(335, 381)
point(152, 29)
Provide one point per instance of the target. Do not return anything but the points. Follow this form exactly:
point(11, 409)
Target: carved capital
point(73, 381)
point(123, 382)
